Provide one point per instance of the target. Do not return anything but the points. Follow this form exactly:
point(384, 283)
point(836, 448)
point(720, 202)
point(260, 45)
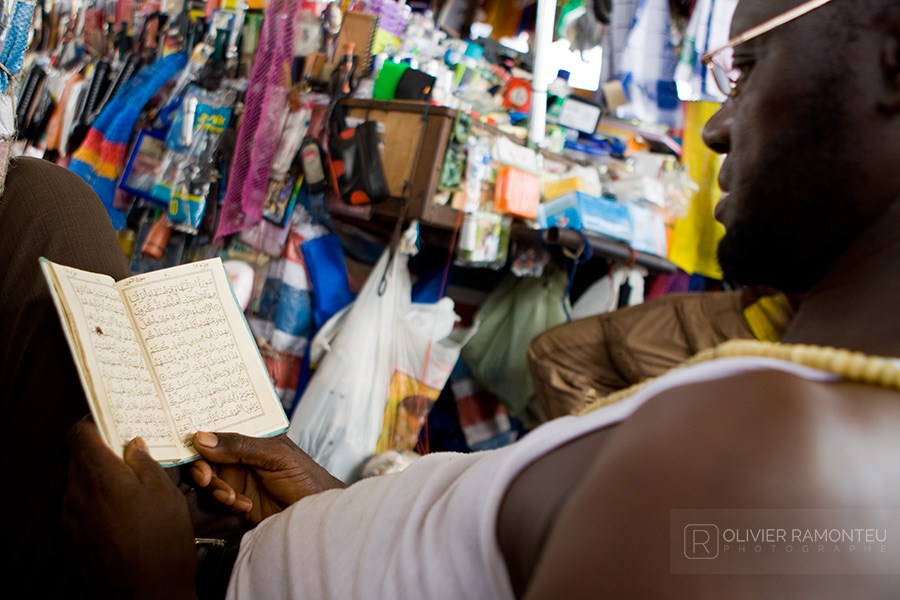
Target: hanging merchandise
point(355, 152)
point(647, 67)
point(265, 107)
point(454, 166)
point(707, 30)
point(11, 61)
point(379, 359)
point(516, 312)
point(283, 324)
point(57, 130)
point(696, 237)
point(295, 127)
point(185, 173)
point(101, 157)
point(578, 23)
point(606, 294)
point(478, 168)
point(324, 261)
point(483, 240)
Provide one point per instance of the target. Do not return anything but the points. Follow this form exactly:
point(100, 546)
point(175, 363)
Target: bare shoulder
point(757, 440)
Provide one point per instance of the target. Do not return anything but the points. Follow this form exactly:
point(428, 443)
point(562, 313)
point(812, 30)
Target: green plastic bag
point(516, 312)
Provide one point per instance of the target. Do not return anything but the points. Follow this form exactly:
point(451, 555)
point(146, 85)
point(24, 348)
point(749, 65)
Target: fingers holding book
point(257, 476)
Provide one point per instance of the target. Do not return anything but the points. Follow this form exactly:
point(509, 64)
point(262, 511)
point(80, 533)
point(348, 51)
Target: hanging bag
point(379, 369)
point(517, 311)
point(356, 163)
point(354, 152)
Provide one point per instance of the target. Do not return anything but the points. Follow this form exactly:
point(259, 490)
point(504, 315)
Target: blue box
point(577, 210)
point(560, 212)
point(605, 216)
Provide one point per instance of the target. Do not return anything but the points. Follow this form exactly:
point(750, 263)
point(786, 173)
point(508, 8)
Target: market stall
point(318, 147)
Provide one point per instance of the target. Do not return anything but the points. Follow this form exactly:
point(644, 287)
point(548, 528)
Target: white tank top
point(430, 531)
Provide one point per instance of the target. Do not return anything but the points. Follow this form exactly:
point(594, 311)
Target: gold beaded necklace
point(853, 366)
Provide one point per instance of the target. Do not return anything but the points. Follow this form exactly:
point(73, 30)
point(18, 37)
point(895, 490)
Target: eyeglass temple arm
point(766, 26)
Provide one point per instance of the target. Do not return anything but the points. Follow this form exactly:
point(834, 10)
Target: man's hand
point(128, 522)
point(257, 476)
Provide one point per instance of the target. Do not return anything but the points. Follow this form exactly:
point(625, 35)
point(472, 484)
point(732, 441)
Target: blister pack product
point(188, 167)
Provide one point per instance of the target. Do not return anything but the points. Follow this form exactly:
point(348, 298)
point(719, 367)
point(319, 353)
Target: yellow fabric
point(769, 317)
point(695, 238)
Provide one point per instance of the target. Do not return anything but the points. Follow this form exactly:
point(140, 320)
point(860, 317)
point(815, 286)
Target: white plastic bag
point(602, 296)
point(378, 359)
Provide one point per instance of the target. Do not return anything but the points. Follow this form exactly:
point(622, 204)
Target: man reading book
point(47, 211)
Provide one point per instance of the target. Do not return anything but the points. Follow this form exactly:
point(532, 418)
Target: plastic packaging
point(379, 360)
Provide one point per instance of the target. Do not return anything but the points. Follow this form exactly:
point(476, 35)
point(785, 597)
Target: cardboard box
point(560, 187)
point(649, 230)
point(562, 212)
point(577, 210)
point(517, 192)
point(605, 216)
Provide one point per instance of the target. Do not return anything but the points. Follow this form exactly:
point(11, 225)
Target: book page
point(199, 346)
point(118, 385)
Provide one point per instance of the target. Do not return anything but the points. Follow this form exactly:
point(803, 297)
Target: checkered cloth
point(646, 63)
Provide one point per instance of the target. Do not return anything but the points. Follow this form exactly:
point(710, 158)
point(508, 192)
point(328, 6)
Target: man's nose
point(717, 131)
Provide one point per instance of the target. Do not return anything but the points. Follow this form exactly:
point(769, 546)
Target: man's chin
point(745, 265)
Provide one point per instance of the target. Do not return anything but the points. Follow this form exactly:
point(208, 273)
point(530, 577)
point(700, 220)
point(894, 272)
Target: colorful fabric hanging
point(264, 111)
point(12, 58)
point(696, 237)
point(707, 30)
point(101, 157)
point(647, 67)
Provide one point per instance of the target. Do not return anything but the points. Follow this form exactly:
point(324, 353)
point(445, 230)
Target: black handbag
point(356, 164)
point(354, 153)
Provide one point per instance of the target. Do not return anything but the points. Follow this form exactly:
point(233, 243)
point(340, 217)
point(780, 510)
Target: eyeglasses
point(720, 61)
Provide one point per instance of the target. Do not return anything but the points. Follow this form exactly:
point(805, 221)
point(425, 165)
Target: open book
point(164, 355)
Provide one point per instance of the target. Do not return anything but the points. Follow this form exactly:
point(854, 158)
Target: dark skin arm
point(754, 441)
point(257, 477)
point(129, 525)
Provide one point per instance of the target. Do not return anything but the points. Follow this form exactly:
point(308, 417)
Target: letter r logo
point(701, 541)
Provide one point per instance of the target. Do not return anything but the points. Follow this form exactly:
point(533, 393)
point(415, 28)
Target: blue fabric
point(646, 66)
point(13, 54)
point(116, 126)
point(427, 289)
point(324, 260)
point(104, 188)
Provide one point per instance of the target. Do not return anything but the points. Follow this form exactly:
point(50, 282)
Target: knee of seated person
point(50, 183)
point(40, 198)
